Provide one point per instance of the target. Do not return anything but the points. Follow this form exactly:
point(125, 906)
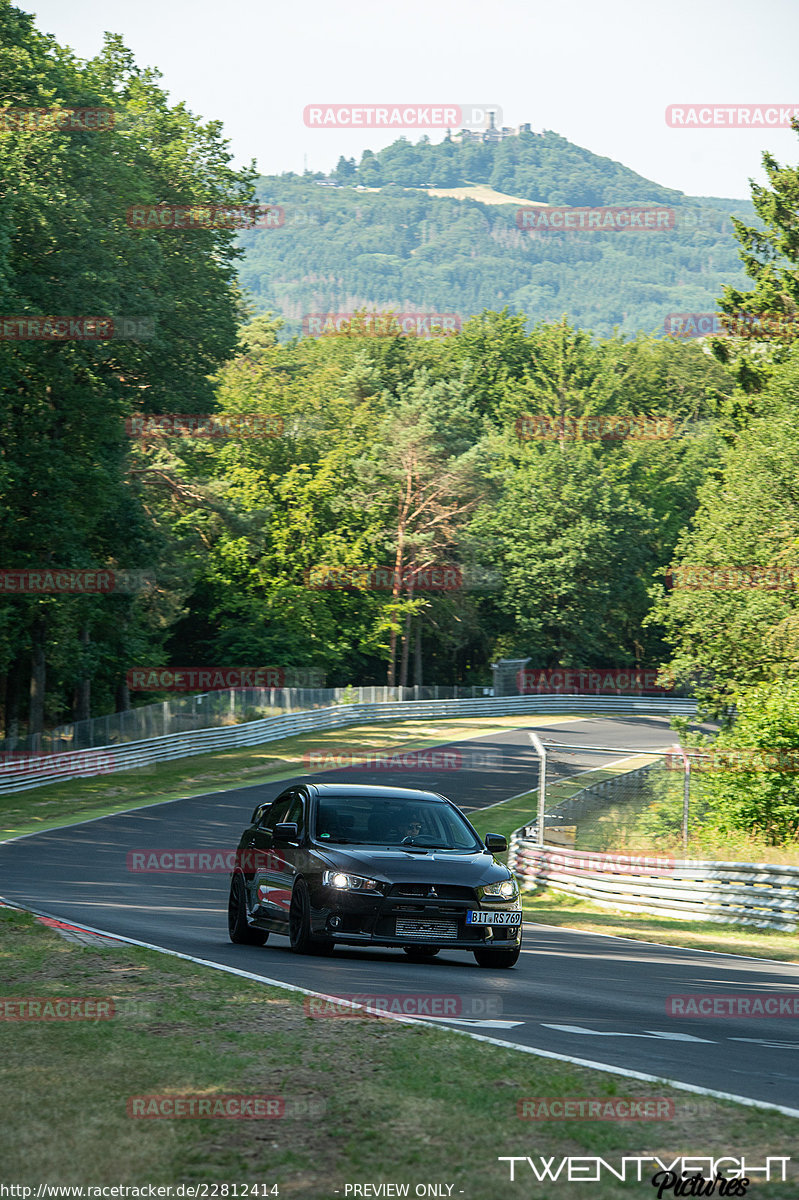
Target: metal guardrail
point(761, 894)
point(35, 771)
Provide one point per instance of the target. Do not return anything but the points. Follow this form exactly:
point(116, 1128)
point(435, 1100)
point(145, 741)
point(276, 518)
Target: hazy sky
point(599, 72)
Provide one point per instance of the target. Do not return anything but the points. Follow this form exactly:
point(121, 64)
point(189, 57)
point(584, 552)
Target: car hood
point(399, 866)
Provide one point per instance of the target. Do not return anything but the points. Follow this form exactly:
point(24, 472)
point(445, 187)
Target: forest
point(378, 507)
point(372, 235)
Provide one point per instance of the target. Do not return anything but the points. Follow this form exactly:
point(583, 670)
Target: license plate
point(493, 918)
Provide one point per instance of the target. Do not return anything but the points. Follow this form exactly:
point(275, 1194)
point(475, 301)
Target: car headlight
point(506, 889)
point(349, 883)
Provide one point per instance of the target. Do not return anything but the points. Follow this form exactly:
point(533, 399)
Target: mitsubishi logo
point(432, 893)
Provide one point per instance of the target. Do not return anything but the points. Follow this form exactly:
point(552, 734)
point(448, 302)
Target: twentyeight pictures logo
point(400, 116)
point(585, 1169)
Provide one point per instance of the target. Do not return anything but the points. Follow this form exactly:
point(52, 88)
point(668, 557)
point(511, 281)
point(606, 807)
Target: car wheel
point(419, 953)
point(497, 958)
point(240, 932)
point(301, 939)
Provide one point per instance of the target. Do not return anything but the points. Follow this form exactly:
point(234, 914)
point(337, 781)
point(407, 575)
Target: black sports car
point(378, 866)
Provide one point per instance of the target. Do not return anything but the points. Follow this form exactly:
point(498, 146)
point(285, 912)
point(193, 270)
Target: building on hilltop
point(491, 133)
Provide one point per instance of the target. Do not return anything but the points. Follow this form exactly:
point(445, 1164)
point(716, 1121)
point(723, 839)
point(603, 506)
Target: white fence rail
point(29, 771)
point(762, 894)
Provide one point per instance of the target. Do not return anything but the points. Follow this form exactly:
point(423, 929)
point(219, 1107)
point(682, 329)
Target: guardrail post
point(542, 782)
point(686, 798)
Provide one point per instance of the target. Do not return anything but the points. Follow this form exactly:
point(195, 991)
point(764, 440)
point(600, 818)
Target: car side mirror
point(496, 843)
point(285, 831)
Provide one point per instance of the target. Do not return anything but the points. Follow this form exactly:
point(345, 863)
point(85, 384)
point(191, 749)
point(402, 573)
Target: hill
point(436, 228)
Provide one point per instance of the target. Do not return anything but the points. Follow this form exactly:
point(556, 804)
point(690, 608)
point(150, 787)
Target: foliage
point(750, 782)
point(735, 634)
point(341, 248)
point(66, 249)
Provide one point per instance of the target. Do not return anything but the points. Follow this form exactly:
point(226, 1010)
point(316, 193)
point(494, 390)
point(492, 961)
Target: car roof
point(377, 791)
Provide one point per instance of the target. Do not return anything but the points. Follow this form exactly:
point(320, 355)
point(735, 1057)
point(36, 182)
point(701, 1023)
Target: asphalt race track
point(579, 994)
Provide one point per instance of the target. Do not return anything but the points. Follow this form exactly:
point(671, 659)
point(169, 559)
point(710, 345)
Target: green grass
point(550, 907)
point(395, 1103)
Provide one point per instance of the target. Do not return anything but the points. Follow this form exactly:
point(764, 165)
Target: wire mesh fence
point(621, 801)
point(233, 706)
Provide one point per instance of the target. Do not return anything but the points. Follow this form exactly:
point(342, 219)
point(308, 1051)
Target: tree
point(345, 169)
point(767, 317)
point(67, 499)
point(423, 484)
point(573, 546)
point(750, 780)
point(739, 630)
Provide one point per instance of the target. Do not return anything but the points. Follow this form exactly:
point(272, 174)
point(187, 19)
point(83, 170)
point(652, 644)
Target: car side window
point(276, 813)
point(296, 812)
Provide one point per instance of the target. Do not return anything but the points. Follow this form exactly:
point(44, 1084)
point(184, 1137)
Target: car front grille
point(443, 891)
point(434, 931)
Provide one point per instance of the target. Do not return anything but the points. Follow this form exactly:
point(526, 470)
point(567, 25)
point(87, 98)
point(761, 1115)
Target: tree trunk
point(406, 645)
point(122, 696)
point(392, 657)
point(402, 520)
point(417, 655)
point(395, 594)
point(38, 679)
point(82, 705)
point(12, 695)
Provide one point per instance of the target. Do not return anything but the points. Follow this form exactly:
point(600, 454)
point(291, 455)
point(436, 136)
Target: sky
point(600, 73)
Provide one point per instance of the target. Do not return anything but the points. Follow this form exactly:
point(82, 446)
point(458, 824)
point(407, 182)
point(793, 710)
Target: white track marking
point(607, 1068)
point(670, 1037)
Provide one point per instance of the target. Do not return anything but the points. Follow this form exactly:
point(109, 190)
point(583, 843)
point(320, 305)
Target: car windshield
point(389, 821)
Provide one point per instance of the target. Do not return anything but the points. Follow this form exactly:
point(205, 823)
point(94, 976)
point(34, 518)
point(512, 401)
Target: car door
point(262, 900)
point(281, 866)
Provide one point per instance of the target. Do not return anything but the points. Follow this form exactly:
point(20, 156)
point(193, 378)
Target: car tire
point(420, 953)
point(497, 958)
point(301, 940)
point(238, 929)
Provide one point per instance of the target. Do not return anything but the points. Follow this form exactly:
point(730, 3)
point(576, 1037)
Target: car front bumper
point(355, 919)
